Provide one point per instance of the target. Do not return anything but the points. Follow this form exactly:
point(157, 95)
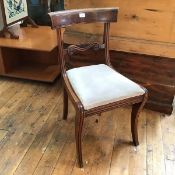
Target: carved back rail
point(84, 47)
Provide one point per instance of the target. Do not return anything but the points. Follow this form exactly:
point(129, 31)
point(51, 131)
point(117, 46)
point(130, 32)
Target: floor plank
point(21, 139)
point(155, 155)
point(122, 144)
point(34, 140)
point(137, 155)
point(98, 154)
point(168, 132)
point(2, 134)
point(8, 91)
point(50, 158)
point(67, 156)
point(39, 145)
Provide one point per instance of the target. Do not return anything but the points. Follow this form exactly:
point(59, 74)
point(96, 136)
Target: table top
point(42, 38)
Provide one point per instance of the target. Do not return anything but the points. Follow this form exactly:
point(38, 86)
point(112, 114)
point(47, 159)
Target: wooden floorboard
point(34, 140)
point(168, 137)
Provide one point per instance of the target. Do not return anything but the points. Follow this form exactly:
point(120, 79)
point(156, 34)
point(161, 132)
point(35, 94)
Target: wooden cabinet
point(33, 56)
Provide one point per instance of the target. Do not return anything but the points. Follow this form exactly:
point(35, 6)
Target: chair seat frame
point(106, 16)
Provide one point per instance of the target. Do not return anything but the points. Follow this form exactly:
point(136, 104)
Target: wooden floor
point(34, 140)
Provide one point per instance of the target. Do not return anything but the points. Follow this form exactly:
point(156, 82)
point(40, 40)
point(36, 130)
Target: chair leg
point(78, 136)
point(134, 121)
point(136, 109)
point(65, 104)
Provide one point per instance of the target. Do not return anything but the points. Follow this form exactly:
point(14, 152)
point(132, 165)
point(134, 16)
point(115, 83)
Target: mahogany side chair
point(96, 88)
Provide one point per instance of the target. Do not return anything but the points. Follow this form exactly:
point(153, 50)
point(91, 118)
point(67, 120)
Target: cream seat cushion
point(98, 85)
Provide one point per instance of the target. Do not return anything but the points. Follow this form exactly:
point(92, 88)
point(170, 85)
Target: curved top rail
point(90, 15)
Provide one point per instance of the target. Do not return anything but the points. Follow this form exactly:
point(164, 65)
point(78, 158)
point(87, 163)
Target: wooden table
point(33, 56)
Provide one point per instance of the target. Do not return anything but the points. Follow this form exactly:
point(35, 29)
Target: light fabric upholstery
point(98, 85)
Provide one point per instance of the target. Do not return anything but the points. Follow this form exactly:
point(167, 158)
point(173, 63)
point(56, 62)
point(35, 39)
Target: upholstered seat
point(98, 85)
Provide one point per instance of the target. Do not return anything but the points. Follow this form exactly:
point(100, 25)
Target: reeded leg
point(134, 122)
point(65, 105)
point(136, 109)
point(78, 136)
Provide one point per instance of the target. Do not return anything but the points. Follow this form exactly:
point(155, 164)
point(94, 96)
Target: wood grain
point(33, 56)
point(122, 144)
point(149, 25)
point(32, 39)
point(168, 135)
point(26, 134)
point(35, 140)
point(155, 157)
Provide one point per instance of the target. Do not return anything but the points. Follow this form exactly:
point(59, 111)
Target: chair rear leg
point(78, 136)
point(65, 104)
point(136, 109)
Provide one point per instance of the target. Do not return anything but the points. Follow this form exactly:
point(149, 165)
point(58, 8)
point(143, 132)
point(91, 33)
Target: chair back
point(66, 18)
